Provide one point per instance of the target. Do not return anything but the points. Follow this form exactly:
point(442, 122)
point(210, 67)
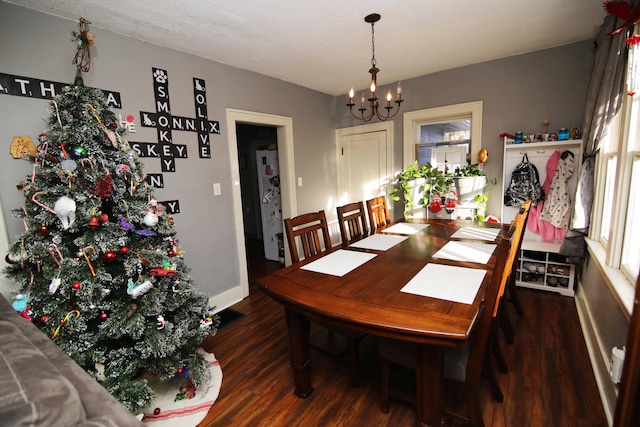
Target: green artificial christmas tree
point(98, 266)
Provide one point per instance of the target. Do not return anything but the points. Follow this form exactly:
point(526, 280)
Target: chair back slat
point(307, 228)
point(378, 212)
point(352, 221)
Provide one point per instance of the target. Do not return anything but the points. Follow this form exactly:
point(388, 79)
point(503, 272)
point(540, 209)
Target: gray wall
point(39, 46)
point(518, 93)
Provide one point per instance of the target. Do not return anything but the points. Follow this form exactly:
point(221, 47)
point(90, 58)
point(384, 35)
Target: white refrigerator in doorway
point(270, 204)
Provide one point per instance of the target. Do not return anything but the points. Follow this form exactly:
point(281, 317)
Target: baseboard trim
point(598, 357)
point(226, 299)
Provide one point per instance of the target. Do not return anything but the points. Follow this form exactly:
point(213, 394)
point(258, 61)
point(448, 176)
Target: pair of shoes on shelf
point(563, 281)
point(532, 267)
point(561, 270)
point(552, 281)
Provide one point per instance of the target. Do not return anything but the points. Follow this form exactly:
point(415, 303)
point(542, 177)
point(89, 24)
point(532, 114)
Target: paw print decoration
point(160, 76)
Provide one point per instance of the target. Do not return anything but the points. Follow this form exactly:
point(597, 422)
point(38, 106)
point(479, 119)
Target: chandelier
point(373, 100)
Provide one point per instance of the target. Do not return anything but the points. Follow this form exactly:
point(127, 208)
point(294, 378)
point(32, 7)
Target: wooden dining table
point(369, 299)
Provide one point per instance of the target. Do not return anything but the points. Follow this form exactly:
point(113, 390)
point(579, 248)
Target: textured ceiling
point(326, 45)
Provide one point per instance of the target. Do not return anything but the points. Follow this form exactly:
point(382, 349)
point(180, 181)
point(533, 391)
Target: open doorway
point(284, 136)
point(261, 198)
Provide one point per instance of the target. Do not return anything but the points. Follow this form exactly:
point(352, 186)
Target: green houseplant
point(417, 183)
point(472, 186)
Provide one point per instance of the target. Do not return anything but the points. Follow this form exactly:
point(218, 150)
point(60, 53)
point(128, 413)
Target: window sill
point(620, 287)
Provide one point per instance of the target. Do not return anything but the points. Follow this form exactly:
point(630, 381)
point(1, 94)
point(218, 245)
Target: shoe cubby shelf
point(541, 267)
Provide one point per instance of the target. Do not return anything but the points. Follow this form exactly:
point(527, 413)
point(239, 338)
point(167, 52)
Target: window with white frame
point(616, 215)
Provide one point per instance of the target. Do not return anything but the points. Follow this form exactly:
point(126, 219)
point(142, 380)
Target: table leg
point(299, 352)
point(430, 385)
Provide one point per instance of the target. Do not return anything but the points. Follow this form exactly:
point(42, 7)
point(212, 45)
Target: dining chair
point(466, 365)
point(308, 229)
point(352, 219)
point(500, 316)
point(513, 295)
point(378, 212)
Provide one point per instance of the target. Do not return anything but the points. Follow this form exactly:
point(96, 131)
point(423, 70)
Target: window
point(430, 133)
point(616, 213)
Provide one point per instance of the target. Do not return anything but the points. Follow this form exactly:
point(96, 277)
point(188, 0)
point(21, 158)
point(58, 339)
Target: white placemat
point(378, 242)
point(476, 233)
point(405, 228)
point(446, 282)
point(339, 263)
point(466, 251)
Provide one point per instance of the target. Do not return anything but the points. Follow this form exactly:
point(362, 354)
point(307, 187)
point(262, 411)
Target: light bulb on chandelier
point(373, 101)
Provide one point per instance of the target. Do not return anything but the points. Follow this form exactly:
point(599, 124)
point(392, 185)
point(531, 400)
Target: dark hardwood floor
point(550, 382)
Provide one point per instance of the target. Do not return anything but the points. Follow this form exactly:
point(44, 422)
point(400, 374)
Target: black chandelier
point(373, 101)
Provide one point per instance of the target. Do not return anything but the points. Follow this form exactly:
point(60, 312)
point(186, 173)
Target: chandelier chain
point(373, 47)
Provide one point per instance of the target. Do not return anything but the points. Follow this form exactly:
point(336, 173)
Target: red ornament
point(180, 371)
point(43, 229)
point(94, 223)
point(104, 218)
point(156, 411)
point(76, 285)
point(44, 318)
point(124, 250)
point(109, 256)
point(104, 315)
point(171, 252)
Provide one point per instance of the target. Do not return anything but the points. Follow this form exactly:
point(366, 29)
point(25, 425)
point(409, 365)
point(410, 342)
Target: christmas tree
point(98, 265)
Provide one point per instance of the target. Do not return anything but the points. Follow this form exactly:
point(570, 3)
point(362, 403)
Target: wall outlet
point(299, 181)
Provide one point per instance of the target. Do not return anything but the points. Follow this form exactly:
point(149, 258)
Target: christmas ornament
point(64, 320)
point(43, 229)
point(78, 152)
point(171, 253)
point(44, 318)
point(21, 145)
point(104, 187)
point(84, 253)
point(68, 165)
point(150, 219)
point(156, 411)
point(128, 226)
point(20, 303)
point(436, 204)
point(94, 223)
point(137, 290)
point(76, 285)
point(160, 321)
point(109, 256)
point(122, 170)
point(53, 255)
point(124, 250)
point(104, 316)
point(132, 310)
point(34, 200)
point(54, 285)
point(104, 218)
point(65, 208)
point(100, 376)
point(84, 40)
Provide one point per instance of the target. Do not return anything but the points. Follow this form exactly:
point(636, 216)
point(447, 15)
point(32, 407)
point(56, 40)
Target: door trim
point(284, 131)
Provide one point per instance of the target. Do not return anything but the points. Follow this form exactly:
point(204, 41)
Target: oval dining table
point(369, 299)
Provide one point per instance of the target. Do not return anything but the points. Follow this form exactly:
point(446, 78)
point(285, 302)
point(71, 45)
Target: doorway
point(284, 136)
point(261, 198)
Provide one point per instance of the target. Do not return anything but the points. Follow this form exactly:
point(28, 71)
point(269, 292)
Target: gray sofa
point(41, 386)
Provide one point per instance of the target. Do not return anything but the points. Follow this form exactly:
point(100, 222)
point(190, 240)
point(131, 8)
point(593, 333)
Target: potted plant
point(418, 183)
point(472, 187)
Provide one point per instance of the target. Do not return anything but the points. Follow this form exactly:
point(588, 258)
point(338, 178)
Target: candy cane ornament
point(53, 255)
point(33, 199)
point(64, 320)
point(84, 253)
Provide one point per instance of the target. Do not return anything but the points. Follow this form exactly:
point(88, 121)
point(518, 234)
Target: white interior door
point(364, 165)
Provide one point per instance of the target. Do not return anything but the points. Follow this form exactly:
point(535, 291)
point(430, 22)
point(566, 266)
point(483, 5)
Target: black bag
point(524, 185)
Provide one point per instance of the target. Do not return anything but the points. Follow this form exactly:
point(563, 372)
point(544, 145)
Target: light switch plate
point(216, 189)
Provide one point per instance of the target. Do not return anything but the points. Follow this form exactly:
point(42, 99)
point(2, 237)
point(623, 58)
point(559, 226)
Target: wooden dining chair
point(466, 365)
point(312, 231)
point(352, 219)
point(513, 295)
point(378, 212)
